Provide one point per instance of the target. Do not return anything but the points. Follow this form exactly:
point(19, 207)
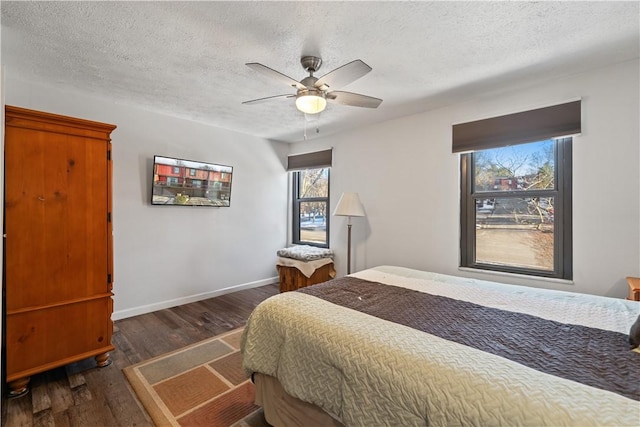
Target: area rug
point(199, 385)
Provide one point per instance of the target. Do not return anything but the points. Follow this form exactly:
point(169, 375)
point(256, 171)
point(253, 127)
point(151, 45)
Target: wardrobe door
point(58, 252)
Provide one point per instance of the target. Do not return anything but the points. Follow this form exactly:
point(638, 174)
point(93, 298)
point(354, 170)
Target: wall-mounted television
point(190, 183)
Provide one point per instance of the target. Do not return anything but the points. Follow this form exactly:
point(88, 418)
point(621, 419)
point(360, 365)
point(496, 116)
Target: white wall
point(2, 86)
point(170, 255)
point(408, 182)
point(403, 169)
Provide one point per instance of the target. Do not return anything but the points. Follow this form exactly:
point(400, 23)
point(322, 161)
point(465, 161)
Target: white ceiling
point(187, 59)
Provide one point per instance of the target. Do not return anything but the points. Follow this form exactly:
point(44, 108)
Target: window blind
point(519, 128)
point(315, 160)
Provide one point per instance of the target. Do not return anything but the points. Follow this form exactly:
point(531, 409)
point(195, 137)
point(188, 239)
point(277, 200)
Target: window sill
point(517, 276)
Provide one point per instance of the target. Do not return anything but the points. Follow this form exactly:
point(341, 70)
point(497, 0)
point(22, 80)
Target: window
point(516, 209)
point(310, 207)
point(310, 197)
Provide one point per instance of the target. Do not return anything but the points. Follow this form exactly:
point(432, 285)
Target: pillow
point(305, 253)
point(634, 334)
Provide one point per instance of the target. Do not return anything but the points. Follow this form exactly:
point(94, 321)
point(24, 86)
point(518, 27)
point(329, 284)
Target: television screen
point(190, 183)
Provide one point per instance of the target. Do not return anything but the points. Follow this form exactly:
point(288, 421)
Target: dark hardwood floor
point(81, 395)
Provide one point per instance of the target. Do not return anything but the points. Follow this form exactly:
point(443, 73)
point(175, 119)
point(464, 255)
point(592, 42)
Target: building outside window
point(311, 207)
point(516, 209)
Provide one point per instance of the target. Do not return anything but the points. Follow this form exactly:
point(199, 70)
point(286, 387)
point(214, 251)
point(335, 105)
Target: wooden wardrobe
point(58, 243)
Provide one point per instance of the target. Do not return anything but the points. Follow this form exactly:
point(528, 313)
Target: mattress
point(366, 370)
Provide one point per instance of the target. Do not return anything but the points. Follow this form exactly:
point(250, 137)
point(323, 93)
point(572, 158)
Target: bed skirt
point(282, 410)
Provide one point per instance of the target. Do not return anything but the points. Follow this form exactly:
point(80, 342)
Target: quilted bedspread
point(372, 372)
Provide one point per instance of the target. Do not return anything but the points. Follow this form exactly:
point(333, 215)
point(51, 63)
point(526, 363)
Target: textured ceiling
point(187, 59)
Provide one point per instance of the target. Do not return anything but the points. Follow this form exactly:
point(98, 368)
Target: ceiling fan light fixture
point(311, 102)
point(313, 92)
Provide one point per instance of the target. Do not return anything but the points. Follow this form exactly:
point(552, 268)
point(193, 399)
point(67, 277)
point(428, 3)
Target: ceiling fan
point(313, 93)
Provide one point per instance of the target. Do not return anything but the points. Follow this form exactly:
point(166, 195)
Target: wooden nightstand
point(634, 288)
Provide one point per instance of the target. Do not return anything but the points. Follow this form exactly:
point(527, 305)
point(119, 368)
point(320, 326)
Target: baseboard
point(144, 309)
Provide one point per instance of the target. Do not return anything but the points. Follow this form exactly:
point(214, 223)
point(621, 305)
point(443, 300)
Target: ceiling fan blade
point(275, 75)
point(353, 99)
point(342, 76)
point(268, 98)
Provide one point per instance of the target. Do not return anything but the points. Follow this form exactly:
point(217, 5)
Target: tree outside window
point(310, 207)
point(516, 208)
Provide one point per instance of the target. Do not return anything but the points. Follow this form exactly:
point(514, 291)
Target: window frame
point(562, 225)
point(297, 201)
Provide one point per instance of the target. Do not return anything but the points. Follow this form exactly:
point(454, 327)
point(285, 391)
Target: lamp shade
point(310, 103)
point(349, 205)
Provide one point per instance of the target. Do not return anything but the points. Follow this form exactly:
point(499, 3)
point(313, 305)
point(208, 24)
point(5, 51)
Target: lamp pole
point(349, 246)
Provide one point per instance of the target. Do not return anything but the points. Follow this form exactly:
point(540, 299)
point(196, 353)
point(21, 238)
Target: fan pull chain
point(311, 118)
point(305, 127)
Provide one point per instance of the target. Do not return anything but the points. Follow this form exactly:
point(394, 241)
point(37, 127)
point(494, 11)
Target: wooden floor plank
point(59, 390)
point(76, 380)
point(19, 411)
point(44, 419)
point(90, 412)
point(125, 349)
point(40, 399)
point(81, 395)
point(170, 320)
point(61, 419)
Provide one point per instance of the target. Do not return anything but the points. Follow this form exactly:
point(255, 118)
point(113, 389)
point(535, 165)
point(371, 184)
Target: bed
point(395, 346)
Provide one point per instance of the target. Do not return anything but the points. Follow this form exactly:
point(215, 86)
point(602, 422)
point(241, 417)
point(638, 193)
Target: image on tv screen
point(190, 183)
